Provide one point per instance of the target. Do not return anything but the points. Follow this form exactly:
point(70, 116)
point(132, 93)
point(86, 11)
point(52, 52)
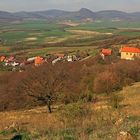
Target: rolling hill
point(65, 15)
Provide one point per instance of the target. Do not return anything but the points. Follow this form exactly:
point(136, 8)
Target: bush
point(106, 82)
point(75, 110)
point(134, 130)
point(74, 113)
point(115, 100)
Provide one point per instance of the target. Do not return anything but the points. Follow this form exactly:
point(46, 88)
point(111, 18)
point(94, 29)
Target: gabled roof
point(2, 58)
point(11, 58)
point(39, 60)
point(130, 49)
point(106, 51)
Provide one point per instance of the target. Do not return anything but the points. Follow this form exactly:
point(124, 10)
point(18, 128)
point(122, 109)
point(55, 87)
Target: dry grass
point(100, 123)
point(37, 118)
point(131, 100)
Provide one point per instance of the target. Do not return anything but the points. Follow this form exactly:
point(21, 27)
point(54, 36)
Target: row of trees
point(64, 83)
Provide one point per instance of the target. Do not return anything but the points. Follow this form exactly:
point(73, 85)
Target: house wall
point(129, 56)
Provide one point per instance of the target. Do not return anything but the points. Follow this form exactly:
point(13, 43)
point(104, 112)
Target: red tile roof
point(11, 58)
point(2, 58)
point(130, 49)
point(39, 60)
point(106, 51)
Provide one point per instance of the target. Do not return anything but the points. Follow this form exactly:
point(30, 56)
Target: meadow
point(35, 34)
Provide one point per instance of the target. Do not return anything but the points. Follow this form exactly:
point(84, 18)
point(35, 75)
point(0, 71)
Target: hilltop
point(54, 14)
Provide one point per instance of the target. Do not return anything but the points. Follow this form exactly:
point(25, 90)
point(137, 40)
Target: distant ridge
point(65, 15)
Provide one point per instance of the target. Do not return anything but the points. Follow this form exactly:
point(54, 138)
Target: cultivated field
point(35, 34)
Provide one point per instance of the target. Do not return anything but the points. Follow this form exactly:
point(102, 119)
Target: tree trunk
point(49, 107)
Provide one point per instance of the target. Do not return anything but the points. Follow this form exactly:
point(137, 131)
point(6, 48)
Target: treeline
point(65, 83)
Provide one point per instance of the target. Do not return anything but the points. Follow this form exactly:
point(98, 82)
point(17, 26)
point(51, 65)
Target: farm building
point(129, 53)
point(106, 52)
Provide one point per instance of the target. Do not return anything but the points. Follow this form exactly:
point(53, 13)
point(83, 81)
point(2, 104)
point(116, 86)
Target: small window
point(126, 53)
point(130, 53)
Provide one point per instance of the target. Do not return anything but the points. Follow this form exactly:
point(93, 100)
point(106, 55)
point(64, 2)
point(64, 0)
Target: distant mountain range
point(65, 15)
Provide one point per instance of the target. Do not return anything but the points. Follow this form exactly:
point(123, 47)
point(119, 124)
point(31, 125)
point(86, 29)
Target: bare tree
point(43, 84)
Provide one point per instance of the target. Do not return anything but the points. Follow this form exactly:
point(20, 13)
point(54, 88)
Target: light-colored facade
point(130, 53)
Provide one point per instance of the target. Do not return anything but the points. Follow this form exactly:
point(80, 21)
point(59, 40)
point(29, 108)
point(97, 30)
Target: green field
point(110, 24)
point(35, 34)
point(13, 34)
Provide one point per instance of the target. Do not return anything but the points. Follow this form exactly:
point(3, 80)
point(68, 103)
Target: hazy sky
point(95, 5)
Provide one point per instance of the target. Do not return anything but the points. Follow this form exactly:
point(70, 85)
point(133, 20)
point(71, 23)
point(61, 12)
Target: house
point(129, 53)
point(31, 59)
point(2, 58)
point(39, 60)
point(56, 60)
point(105, 52)
point(9, 59)
point(69, 58)
point(60, 55)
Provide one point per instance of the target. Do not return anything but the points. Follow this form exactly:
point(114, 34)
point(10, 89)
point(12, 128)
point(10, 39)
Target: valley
point(69, 75)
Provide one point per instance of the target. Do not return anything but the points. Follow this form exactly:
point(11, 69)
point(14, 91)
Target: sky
point(69, 5)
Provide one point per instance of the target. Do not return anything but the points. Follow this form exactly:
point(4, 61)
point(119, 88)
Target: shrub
point(115, 100)
point(106, 82)
point(74, 113)
point(134, 130)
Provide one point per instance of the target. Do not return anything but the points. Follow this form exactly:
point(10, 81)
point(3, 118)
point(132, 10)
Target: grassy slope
point(102, 124)
point(132, 99)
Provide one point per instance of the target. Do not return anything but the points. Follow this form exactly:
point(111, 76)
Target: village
point(126, 52)
point(18, 65)
point(70, 70)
